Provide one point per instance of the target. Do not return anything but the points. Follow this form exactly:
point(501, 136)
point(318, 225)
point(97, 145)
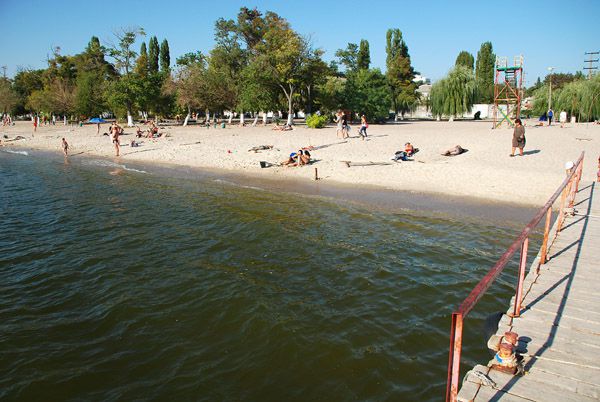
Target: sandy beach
point(485, 172)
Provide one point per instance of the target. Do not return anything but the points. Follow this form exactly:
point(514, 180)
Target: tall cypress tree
point(153, 52)
point(484, 72)
point(364, 56)
point(165, 58)
point(141, 64)
point(400, 73)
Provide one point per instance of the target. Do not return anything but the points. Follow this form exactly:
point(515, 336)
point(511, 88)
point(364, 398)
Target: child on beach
point(65, 147)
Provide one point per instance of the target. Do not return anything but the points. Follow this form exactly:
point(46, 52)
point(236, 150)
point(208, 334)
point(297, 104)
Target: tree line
point(259, 63)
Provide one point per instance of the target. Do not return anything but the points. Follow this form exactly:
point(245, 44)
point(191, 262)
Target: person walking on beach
point(518, 140)
point(345, 127)
point(363, 127)
point(35, 123)
point(550, 116)
point(115, 137)
point(65, 147)
point(338, 120)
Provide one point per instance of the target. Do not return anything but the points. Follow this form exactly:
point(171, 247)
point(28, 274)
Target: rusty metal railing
point(566, 192)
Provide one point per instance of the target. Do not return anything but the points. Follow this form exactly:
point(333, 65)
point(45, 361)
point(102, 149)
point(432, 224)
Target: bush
point(316, 121)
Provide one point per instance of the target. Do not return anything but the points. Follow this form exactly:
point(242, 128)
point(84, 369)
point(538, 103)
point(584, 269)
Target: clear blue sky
point(547, 33)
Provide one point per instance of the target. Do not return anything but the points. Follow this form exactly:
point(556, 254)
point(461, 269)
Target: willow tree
point(466, 59)
point(455, 94)
point(580, 98)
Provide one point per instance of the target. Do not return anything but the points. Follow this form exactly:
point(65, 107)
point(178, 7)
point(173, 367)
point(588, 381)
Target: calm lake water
point(122, 285)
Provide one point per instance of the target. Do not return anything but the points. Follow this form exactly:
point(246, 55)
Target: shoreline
point(371, 197)
point(484, 175)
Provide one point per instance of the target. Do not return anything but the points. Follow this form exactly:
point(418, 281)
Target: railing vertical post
point(544, 252)
point(522, 267)
point(561, 211)
point(576, 179)
point(454, 358)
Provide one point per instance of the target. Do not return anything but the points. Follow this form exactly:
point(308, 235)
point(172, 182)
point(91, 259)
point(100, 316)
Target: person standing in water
point(518, 140)
point(65, 147)
point(115, 137)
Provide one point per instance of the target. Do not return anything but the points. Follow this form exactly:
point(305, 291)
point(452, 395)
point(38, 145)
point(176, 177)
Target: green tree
point(348, 57)
point(466, 59)
point(400, 73)
point(25, 83)
point(330, 94)
point(165, 57)
point(455, 94)
point(283, 53)
point(367, 93)
point(8, 96)
point(484, 72)
point(122, 92)
point(141, 64)
point(153, 53)
point(363, 59)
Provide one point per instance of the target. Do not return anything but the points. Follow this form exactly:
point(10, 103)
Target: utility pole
point(550, 91)
point(592, 61)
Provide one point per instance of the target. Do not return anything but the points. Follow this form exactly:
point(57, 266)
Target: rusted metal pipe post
point(316, 174)
point(544, 252)
point(522, 267)
point(561, 211)
point(454, 358)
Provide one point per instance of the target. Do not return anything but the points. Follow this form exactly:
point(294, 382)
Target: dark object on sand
point(457, 150)
point(477, 115)
point(264, 164)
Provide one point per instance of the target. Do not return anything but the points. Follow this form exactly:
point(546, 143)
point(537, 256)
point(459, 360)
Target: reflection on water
point(132, 286)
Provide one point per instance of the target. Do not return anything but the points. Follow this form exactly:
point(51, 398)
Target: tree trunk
point(309, 108)
point(242, 119)
point(264, 118)
point(187, 117)
point(230, 117)
point(451, 119)
point(207, 114)
point(396, 116)
point(64, 120)
point(290, 119)
point(255, 120)
point(129, 118)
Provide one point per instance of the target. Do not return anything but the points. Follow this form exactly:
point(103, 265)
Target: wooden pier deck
point(559, 326)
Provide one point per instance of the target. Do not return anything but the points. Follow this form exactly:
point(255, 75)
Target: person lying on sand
point(138, 132)
point(409, 149)
point(285, 127)
point(291, 161)
point(457, 150)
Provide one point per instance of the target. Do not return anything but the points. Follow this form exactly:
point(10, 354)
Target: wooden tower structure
point(508, 90)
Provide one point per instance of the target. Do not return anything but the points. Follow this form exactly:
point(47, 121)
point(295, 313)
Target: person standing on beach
point(562, 117)
point(35, 123)
point(518, 140)
point(363, 127)
point(115, 137)
point(550, 116)
point(65, 147)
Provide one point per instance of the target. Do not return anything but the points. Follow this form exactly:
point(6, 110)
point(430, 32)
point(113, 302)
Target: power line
point(591, 62)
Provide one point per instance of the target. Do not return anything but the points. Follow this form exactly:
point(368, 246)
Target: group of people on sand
point(300, 158)
point(150, 132)
point(343, 129)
